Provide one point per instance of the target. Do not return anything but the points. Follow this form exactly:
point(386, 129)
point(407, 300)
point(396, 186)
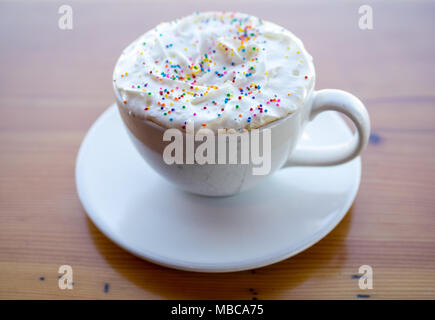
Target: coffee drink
point(230, 72)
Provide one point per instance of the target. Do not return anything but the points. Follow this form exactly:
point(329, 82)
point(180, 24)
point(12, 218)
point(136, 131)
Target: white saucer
point(152, 219)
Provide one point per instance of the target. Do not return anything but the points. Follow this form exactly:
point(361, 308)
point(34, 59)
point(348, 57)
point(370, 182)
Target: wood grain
point(54, 84)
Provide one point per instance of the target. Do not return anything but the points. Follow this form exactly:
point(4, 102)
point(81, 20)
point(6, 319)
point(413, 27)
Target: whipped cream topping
point(220, 70)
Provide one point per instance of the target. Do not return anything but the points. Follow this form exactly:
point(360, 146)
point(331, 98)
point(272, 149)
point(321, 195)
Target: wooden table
point(55, 83)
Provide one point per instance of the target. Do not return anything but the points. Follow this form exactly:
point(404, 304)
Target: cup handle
point(352, 107)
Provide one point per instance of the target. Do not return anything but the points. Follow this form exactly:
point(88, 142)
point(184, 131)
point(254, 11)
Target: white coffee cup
point(230, 179)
